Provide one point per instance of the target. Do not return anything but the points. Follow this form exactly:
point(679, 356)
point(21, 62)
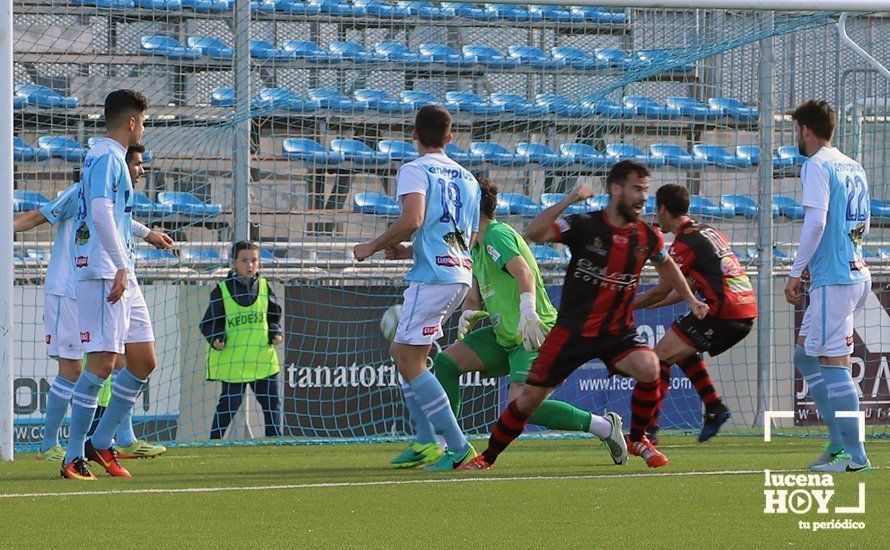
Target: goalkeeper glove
point(468, 319)
point(532, 330)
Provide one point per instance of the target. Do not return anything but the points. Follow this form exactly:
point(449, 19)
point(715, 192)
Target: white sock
point(599, 426)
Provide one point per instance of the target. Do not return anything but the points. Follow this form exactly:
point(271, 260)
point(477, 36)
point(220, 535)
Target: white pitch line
point(380, 483)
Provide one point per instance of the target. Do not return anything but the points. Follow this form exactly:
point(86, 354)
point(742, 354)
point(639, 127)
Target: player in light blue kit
point(440, 214)
point(836, 217)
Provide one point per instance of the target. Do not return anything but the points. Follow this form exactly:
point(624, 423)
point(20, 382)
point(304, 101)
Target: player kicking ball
point(508, 288)
point(440, 213)
point(609, 249)
point(60, 314)
point(836, 217)
point(704, 256)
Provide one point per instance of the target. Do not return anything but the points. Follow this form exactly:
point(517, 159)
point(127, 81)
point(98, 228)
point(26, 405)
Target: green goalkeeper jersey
point(499, 290)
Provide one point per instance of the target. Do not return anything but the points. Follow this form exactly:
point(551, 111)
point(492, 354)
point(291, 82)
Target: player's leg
point(126, 443)
point(229, 402)
point(479, 351)
point(641, 364)
point(266, 391)
point(63, 343)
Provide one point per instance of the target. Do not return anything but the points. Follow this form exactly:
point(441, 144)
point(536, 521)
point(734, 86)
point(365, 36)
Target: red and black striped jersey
point(703, 254)
point(603, 275)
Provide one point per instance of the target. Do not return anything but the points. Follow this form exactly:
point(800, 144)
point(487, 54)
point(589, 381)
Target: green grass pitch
point(541, 494)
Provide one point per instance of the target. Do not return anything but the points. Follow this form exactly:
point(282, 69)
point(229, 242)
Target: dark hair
point(432, 125)
point(489, 202)
point(120, 105)
point(624, 168)
point(132, 150)
point(818, 116)
point(673, 197)
point(243, 245)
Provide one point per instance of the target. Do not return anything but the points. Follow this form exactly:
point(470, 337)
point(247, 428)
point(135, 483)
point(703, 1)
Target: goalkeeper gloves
point(468, 319)
point(532, 330)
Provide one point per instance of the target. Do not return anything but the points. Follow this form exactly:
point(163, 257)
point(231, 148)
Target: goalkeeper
point(508, 288)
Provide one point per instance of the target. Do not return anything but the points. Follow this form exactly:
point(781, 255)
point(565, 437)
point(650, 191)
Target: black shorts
point(563, 352)
point(710, 334)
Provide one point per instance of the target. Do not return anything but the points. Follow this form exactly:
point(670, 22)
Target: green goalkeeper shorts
point(514, 362)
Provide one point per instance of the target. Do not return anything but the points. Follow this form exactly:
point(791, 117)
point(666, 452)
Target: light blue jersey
point(104, 175)
point(61, 212)
point(837, 183)
point(441, 245)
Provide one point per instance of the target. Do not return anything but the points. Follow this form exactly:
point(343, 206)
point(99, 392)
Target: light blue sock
point(435, 406)
point(423, 430)
point(844, 396)
point(808, 367)
point(125, 436)
point(124, 391)
point(56, 406)
point(83, 407)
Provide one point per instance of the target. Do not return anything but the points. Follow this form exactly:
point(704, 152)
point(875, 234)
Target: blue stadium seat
point(297, 7)
point(663, 58)
point(397, 150)
point(883, 253)
point(378, 100)
point(606, 107)
point(335, 101)
point(43, 96)
point(719, 156)
point(311, 52)
point(868, 254)
point(310, 151)
point(649, 108)
point(625, 151)
point(359, 153)
point(105, 4)
point(615, 57)
point(594, 14)
point(700, 206)
point(208, 6)
point(262, 6)
point(441, 53)
point(418, 99)
point(517, 204)
point(211, 47)
point(674, 155)
point(547, 255)
point(560, 14)
point(188, 204)
point(153, 257)
point(578, 58)
point(536, 153)
point(743, 205)
point(787, 156)
point(340, 7)
point(535, 57)
point(62, 148)
point(879, 209)
point(204, 256)
point(168, 47)
point(262, 49)
point(489, 57)
point(428, 10)
point(598, 202)
point(377, 204)
point(788, 207)
point(464, 158)
point(496, 154)
point(399, 53)
point(282, 99)
point(693, 108)
point(383, 10)
point(749, 152)
point(580, 153)
point(163, 5)
point(549, 199)
point(144, 207)
point(465, 102)
point(25, 201)
point(558, 105)
point(470, 11)
point(356, 53)
point(512, 12)
point(515, 103)
point(21, 150)
point(222, 97)
point(734, 108)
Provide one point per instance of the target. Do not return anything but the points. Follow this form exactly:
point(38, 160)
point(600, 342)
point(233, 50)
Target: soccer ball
point(390, 322)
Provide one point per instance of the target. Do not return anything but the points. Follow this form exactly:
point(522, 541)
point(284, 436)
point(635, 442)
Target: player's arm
point(157, 239)
point(213, 325)
point(28, 220)
point(663, 294)
point(672, 298)
point(103, 176)
point(530, 327)
point(541, 229)
point(668, 271)
point(815, 204)
point(273, 319)
point(413, 212)
point(471, 312)
point(653, 296)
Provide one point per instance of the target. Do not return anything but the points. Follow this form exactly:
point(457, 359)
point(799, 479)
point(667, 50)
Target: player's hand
point(119, 286)
point(699, 309)
point(532, 330)
point(793, 290)
point(218, 344)
point(159, 239)
point(468, 319)
point(580, 193)
point(805, 276)
point(401, 251)
point(277, 339)
point(363, 251)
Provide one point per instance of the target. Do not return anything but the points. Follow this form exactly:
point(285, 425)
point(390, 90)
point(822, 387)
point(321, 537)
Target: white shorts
point(425, 307)
point(60, 318)
point(108, 327)
point(828, 321)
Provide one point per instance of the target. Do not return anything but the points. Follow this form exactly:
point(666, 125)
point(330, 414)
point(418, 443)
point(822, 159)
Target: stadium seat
point(161, 5)
point(734, 108)
point(359, 153)
point(298, 7)
point(356, 53)
point(465, 102)
point(188, 204)
point(399, 53)
point(578, 58)
point(536, 153)
point(594, 14)
point(547, 255)
point(535, 57)
point(204, 256)
point(153, 257)
point(378, 100)
point(560, 14)
point(22, 151)
point(398, 151)
point(418, 99)
point(470, 11)
point(464, 158)
point(598, 202)
point(580, 153)
point(674, 155)
point(105, 4)
point(517, 204)
point(515, 103)
point(550, 199)
point(340, 7)
point(693, 108)
point(700, 206)
point(383, 10)
point(377, 204)
point(447, 55)
point(211, 47)
point(208, 6)
point(168, 47)
point(513, 12)
point(43, 96)
point(743, 205)
point(719, 156)
point(262, 6)
point(625, 151)
point(879, 209)
point(335, 101)
point(882, 253)
point(496, 154)
point(144, 207)
point(222, 97)
point(428, 10)
point(650, 207)
point(663, 58)
point(788, 207)
point(62, 148)
point(649, 108)
point(787, 156)
point(25, 201)
point(558, 105)
point(308, 50)
point(261, 49)
point(489, 57)
point(606, 107)
point(310, 151)
point(615, 57)
point(282, 99)
point(749, 152)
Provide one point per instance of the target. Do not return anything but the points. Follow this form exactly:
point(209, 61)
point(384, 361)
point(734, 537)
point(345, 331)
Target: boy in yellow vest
point(242, 326)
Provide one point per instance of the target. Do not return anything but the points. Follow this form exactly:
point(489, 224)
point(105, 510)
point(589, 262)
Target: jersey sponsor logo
point(451, 261)
point(730, 267)
point(56, 212)
point(81, 261)
point(84, 337)
point(850, 340)
point(250, 318)
point(596, 247)
point(454, 173)
point(601, 276)
point(495, 255)
point(49, 339)
point(857, 265)
point(82, 235)
point(430, 331)
point(620, 240)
